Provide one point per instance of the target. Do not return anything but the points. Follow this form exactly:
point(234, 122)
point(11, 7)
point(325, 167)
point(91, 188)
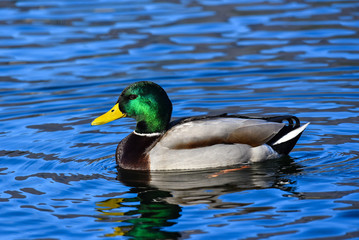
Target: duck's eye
point(132, 96)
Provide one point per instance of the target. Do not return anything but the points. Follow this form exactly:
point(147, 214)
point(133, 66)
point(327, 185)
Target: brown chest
point(131, 152)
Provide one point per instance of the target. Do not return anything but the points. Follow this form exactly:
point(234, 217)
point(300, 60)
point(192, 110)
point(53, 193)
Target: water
point(62, 63)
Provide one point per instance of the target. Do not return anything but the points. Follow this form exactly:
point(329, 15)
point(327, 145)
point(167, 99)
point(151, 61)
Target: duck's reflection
point(144, 219)
point(160, 195)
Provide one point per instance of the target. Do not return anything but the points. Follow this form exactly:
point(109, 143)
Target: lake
point(64, 62)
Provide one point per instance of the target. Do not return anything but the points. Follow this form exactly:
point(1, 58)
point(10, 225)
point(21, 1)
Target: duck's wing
point(206, 131)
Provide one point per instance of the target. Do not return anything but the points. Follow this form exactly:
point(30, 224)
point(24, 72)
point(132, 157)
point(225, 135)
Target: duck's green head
point(144, 101)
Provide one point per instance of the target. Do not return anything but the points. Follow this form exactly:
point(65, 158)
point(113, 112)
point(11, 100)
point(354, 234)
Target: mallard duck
point(194, 142)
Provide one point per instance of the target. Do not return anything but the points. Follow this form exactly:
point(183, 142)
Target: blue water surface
point(64, 62)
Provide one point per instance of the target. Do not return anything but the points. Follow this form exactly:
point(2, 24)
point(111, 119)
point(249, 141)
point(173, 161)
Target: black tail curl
point(285, 147)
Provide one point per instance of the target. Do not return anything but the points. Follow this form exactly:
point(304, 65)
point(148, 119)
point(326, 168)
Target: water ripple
point(62, 63)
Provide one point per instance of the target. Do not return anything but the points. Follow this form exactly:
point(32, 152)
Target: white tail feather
point(291, 134)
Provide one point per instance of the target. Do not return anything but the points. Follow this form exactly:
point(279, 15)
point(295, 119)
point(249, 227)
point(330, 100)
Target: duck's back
point(220, 130)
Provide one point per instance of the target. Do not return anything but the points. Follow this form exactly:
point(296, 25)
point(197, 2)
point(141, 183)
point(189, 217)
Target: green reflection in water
point(145, 218)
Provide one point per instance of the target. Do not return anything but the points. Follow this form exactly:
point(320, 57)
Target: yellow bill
point(113, 114)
